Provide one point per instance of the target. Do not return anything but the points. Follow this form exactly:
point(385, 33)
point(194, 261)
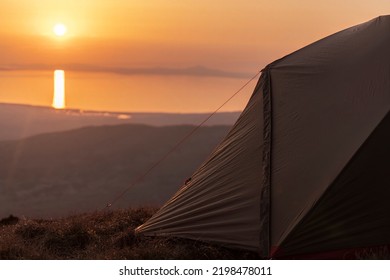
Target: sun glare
point(59, 89)
point(59, 29)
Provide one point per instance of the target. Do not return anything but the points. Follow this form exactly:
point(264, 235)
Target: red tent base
point(365, 253)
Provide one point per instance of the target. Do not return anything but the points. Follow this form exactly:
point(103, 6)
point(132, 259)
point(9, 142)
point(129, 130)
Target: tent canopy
point(304, 169)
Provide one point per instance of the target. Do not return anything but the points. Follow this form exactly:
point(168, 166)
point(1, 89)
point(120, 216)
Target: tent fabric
point(328, 98)
point(218, 203)
point(355, 209)
point(304, 168)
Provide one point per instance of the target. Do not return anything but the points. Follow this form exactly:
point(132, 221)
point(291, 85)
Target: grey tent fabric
point(355, 208)
point(218, 203)
point(328, 98)
point(304, 168)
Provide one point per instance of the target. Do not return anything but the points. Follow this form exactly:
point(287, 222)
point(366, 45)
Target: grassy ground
point(101, 235)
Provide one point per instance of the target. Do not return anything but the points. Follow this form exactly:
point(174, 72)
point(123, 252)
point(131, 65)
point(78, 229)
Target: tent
point(305, 169)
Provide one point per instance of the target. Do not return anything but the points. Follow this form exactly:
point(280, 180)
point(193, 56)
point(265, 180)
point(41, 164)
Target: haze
point(165, 56)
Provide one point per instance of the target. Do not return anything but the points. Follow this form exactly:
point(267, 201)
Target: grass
point(100, 236)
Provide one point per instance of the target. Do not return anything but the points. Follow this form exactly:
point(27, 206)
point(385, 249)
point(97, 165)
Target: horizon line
point(194, 71)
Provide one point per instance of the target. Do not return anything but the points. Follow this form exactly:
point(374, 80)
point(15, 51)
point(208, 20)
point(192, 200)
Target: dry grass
point(100, 235)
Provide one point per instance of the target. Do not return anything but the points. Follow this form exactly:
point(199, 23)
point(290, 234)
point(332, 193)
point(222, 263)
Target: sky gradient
point(166, 56)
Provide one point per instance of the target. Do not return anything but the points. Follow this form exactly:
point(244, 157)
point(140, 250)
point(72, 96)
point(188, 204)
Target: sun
point(59, 29)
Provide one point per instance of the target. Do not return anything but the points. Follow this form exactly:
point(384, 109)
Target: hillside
point(20, 121)
point(56, 174)
point(100, 235)
point(109, 235)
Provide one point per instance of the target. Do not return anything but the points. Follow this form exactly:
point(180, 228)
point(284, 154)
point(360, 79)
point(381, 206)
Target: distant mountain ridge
point(20, 121)
point(60, 173)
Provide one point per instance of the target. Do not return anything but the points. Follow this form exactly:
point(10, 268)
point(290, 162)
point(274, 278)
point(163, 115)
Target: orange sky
point(154, 45)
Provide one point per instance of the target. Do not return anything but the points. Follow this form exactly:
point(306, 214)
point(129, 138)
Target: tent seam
point(265, 196)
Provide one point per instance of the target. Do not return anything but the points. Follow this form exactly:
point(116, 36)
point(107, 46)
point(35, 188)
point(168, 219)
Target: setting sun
point(59, 89)
point(59, 29)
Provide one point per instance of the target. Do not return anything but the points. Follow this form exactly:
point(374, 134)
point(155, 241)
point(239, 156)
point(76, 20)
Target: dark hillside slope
point(81, 170)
